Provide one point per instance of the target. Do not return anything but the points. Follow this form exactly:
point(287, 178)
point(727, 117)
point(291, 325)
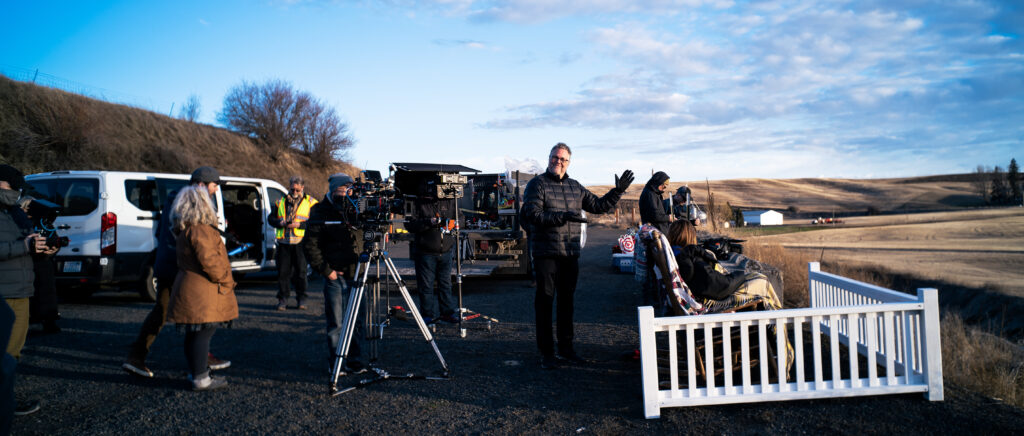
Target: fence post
point(932, 342)
point(812, 267)
point(648, 362)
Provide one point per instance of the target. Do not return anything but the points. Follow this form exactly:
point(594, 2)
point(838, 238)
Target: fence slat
point(727, 356)
point(781, 353)
point(673, 361)
point(852, 350)
point(871, 325)
point(890, 349)
point(762, 344)
point(798, 340)
point(745, 350)
point(819, 379)
point(691, 366)
point(833, 335)
point(709, 358)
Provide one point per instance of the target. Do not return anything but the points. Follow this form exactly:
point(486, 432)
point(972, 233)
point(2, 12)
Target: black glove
point(622, 183)
point(573, 217)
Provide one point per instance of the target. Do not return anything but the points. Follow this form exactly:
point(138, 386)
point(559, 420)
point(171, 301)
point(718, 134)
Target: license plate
point(73, 267)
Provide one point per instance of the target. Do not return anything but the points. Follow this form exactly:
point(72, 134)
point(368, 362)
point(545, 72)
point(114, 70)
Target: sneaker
point(209, 384)
point(301, 305)
point(549, 362)
point(137, 367)
point(27, 408)
point(572, 357)
point(282, 305)
point(429, 321)
point(451, 318)
point(216, 364)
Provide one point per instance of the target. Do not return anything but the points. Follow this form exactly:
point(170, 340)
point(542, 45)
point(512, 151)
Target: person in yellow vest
point(289, 217)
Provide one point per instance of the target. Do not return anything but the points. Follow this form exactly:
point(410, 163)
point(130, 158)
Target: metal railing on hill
point(43, 79)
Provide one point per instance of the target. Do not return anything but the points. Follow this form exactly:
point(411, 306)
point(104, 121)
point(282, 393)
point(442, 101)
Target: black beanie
point(11, 175)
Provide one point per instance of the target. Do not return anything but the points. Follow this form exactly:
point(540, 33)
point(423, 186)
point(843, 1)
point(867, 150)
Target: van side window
point(81, 196)
point(274, 195)
point(42, 190)
point(164, 189)
point(142, 193)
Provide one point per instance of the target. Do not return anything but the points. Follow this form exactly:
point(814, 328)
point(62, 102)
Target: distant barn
point(762, 218)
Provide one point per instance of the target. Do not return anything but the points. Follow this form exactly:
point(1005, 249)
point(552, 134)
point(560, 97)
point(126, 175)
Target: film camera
point(448, 185)
point(376, 199)
point(43, 213)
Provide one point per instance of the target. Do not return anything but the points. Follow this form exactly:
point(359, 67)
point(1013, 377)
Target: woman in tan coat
point(203, 296)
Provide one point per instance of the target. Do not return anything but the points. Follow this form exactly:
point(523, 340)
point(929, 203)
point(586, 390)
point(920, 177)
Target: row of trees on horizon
point(997, 187)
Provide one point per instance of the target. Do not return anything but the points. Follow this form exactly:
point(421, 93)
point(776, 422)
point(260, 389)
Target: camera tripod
point(376, 256)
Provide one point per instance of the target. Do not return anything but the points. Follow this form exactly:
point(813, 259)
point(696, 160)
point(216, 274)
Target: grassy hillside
point(44, 129)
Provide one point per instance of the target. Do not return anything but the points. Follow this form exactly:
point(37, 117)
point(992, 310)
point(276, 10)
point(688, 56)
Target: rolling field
point(979, 248)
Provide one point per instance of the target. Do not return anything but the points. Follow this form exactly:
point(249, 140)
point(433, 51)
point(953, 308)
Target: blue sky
point(700, 89)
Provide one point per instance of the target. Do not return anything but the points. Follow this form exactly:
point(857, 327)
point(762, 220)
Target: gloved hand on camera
point(622, 183)
point(573, 217)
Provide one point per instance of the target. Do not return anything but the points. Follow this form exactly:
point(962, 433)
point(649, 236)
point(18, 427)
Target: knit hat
point(338, 179)
point(11, 175)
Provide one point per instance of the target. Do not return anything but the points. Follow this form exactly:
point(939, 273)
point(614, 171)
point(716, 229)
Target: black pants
point(556, 277)
point(197, 350)
point(291, 269)
point(43, 303)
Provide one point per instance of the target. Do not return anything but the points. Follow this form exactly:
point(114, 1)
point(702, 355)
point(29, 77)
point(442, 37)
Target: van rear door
point(81, 214)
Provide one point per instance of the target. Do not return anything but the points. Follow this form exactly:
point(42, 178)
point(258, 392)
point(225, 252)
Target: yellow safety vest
point(302, 214)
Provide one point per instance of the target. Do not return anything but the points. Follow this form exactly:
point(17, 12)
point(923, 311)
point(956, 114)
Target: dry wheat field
point(978, 248)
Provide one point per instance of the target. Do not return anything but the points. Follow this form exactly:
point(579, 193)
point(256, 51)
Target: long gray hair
point(192, 205)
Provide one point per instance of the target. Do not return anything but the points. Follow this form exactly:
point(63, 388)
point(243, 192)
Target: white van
point(110, 218)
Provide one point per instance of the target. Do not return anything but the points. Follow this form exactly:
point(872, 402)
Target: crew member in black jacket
point(333, 251)
point(552, 206)
point(652, 205)
point(432, 253)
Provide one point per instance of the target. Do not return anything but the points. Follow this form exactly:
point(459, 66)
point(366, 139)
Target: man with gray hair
point(333, 251)
point(552, 206)
point(289, 217)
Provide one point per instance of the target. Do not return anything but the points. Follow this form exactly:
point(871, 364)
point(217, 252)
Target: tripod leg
point(415, 312)
point(349, 324)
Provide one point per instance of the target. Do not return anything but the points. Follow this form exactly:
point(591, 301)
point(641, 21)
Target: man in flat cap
point(333, 251)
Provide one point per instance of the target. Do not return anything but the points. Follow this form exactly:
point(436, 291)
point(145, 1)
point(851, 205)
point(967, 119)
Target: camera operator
point(43, 304)
point(333, 251)
point(431, 251)
point(17, 244)
point(552, 206)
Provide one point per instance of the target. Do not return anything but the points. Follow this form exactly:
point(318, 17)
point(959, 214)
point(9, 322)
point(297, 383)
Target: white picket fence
point(896, 337)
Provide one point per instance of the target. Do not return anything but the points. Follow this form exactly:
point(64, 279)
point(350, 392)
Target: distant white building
point(762, 218)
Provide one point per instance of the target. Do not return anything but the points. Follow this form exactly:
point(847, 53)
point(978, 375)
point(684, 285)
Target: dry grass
point(43, 129)
point(972, 358)
point(981, 361)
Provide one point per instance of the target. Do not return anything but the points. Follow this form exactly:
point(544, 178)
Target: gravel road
point(279, 380)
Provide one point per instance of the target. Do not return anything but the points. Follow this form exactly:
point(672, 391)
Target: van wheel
point(147, 286)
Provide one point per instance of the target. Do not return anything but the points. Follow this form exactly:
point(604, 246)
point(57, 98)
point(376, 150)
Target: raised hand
point(622, 183)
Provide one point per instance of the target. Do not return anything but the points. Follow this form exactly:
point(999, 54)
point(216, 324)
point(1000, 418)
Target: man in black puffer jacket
point(552, 207)
point(432, 253)
point(333, 251)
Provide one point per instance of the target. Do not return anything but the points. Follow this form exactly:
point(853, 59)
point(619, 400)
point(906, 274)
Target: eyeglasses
point(559, 159)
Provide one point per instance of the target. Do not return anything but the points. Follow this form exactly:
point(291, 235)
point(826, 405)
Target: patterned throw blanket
point(676, 298)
